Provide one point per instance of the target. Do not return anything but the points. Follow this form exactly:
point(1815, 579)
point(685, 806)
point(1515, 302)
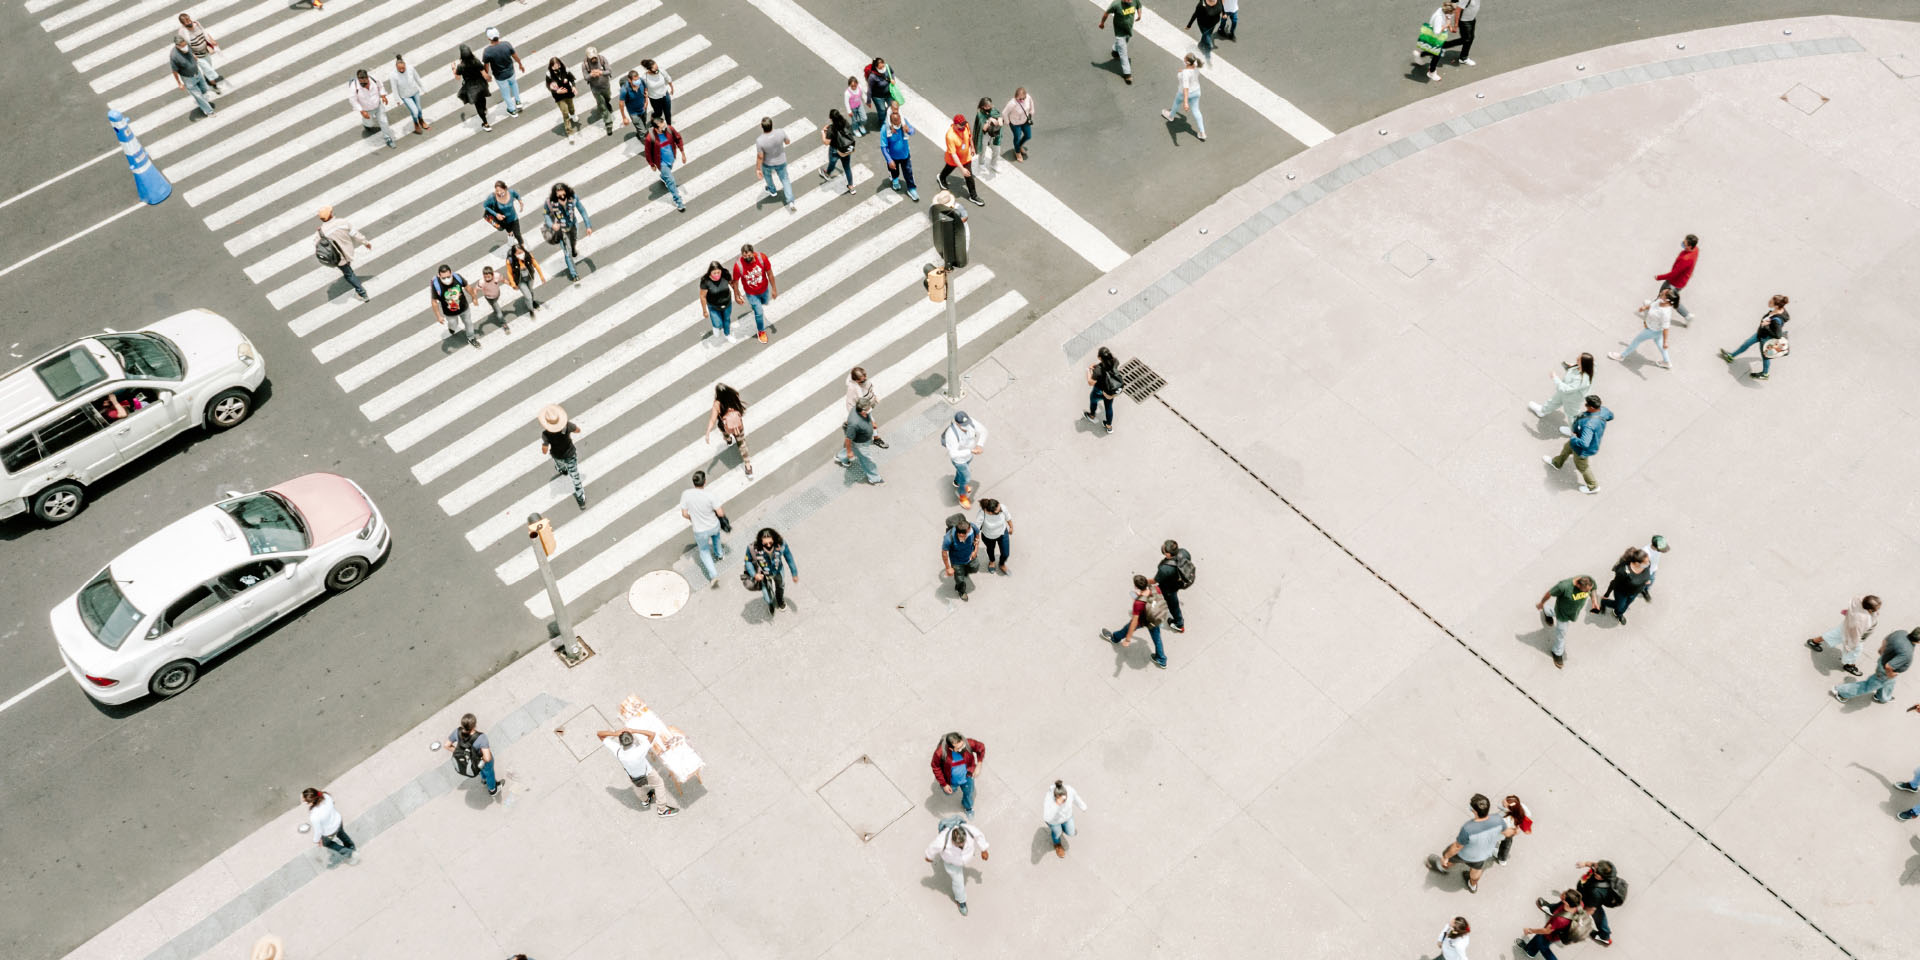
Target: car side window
point(198, 600)
point(121, 404)
point(246, 575)
point(77, 425)
point(20, 454)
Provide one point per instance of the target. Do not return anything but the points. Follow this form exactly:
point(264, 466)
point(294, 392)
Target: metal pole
point(954, 389)
point(561, 617)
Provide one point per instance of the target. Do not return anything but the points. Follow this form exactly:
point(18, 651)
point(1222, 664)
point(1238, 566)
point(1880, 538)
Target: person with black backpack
point(335, 246)
point(958, 554)
point(1104, 377)
point(472, 754)
point(1601, 887)
point(1175, 573)
point(1149, 611)
point(1566, 922)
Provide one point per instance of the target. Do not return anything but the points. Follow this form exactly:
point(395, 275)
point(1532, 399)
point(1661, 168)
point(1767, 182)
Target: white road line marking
point(17, 264)
point(515, 418)
point(145, 52)
point(1020, 191)
point(22, 695)
point(624, 445)
point(1228, 79)
point(42, 185)
point(804, 441)
point(146, 10)
point(402, 393)
point(412, 269)
point(35, 6)
point(414, 154)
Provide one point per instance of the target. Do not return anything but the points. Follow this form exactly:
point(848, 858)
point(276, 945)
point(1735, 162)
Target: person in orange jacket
point(960, 157)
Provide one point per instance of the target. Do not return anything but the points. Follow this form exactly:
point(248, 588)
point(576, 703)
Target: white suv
point(70, 417)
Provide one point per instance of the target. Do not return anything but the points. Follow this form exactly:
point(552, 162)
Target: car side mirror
point(229, 495)
point(163, 396)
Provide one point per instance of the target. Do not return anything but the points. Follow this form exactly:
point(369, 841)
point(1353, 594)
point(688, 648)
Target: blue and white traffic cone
point(147, 178)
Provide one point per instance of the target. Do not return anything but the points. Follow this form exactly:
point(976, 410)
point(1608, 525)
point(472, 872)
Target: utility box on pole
point(949, 234)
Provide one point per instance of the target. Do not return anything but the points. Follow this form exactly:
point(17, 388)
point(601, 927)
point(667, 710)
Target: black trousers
point(1465, 40)
point(1172, 596)
point(950, 168)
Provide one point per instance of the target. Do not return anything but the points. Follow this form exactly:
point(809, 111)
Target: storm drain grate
point(1141, 382)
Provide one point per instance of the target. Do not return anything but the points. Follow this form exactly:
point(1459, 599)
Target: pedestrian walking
point(1186, 97)
point(1655, 548)
point(767, 558)
point(879, 79)
point(857, 107)
point(1453, 940)
point(956, 765)
point(1056, 810)
point(472, 75)
point(368, 98)
point(188, 76)
point(715, 301)
point(896, 148)
point(1568, 597)
point(337, 241)
point(1174, 574)
point(1149, 611)
point(960, 157)
point(1433, 38)
point(557, 431)
point(1122, 12)
point(1104, 377)
point(1566, 923)
point(959, 554)
point(1571, 384)
point(858, 434)
point(323, 819)
point(1857, 621)
point(564, 217)
point(663, 148)
point(770, 154)
point(501, 210)
point(1207, 14)
point(1475, 843)
point(1630, 577)
point(1600, 888)
point(489, 290)
point(860, 387)
point(755, 286)
point(1896, 655)
point(1655, 317)
point(563, 85)
point(405, 86)
point(1583, 442)
point(1515, 814)
point(1676, 277)
point(599, 74)
point(1469, 11)
point(1020, 118)
point(201, 45)
point(473, 754)
point(628, 746)
point(709, 519)
point(1913, 785)
point(1231, 8)
point(996, 531)
point(964, 438)
point(729, 412)
point(505, 64)
point(633, 102)
point(986, 136)
point(452, 299)
point(1770, 336)
point(659, 86)
point(838, 135)
point(522, 272)
point(954, 845)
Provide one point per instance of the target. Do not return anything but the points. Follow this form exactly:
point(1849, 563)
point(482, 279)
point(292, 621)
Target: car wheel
point(58, 503)
point(228, 408)
point(174, 678)
point(346, 575)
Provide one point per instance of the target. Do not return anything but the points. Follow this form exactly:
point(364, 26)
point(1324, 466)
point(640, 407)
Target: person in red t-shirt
point(1676, 278)
point(1539, 941)
point(753, 284)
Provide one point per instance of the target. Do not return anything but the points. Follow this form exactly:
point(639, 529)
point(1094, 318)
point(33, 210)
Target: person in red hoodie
point(1676, 278)
point(956, 761)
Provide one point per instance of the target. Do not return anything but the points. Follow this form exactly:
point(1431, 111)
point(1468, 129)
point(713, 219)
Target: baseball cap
point(962, 419)
point(959, 118)
point(493, 33)
point(1660, 543)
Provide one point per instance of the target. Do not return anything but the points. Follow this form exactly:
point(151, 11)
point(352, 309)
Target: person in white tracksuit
point(964, 438)
point(1570, 387)
point(1057, 810)
point(955, 845)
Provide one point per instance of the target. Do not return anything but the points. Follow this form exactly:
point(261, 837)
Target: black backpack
point(1110, 381)
point(326, 251)
point(1613, 893)
point(466, 756)
point(1182, 562)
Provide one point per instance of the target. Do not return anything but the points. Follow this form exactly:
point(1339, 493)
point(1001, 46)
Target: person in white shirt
point(996, 531)
point(1655, 547)
point(1453, 940)
point(1857, 621)
point(1469, 12)
point(1657, 317)
point(954, 847)
point(405, 84)
point(368, 98)
point(327, 827)
point(1186, 97)
point(627, 747)
point(1057, 810)
point(703, 510)
point(964, 438)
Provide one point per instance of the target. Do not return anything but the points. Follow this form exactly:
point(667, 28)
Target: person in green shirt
point(1568, 597)
point(986, 136)
point(1123, 13)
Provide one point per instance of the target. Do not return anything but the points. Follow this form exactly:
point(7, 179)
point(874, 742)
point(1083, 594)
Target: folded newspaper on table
point(670, 746)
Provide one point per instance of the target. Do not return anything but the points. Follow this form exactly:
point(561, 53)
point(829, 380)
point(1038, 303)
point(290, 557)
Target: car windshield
point(146, 357)
point(107, 612)
point(68, 373)
point(269, 522)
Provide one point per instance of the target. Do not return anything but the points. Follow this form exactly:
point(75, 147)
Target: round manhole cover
point(659, 594)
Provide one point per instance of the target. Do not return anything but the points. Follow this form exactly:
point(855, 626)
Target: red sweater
point(652, 146)
point(1682, 268)
point(973, 753)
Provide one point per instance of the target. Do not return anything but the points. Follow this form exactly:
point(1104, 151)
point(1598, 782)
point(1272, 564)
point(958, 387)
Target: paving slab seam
point(1189, 271)
point(1510, 681)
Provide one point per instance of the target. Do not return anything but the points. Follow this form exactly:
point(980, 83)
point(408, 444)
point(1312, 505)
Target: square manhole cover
point(1804, 99)
point(986, 378)
point(578, 732)
point(1903, 66)
point(926, 608)
point(1408, 258)
point(865, 800)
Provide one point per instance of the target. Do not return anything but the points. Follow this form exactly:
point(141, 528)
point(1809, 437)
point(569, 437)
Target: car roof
point(24, 397)
point(191, 550)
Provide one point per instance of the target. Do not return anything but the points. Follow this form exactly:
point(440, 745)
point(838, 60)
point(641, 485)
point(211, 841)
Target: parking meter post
point(540, 536)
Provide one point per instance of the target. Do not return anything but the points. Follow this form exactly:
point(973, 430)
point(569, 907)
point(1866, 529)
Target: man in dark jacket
point(1600, 888)
point(1584, 441)
point(956, 761)
point(1171, 581)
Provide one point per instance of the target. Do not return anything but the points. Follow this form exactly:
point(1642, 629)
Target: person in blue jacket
point(1583, 442)
point(768, 556)
point(896, 146)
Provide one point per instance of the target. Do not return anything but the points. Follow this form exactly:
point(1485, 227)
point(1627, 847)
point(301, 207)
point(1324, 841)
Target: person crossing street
point(896, 147)
point(1122, 12)
point(368, 98)
point(343, 238)
point(960, 157)
point(755, 285)
point(664, 148)
point(557, 431)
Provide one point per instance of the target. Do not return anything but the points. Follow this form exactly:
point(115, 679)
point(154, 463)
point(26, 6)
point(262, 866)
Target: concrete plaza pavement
point(1354, 336)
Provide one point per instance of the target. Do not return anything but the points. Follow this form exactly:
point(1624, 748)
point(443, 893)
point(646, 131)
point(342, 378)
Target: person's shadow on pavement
point(1911, 876)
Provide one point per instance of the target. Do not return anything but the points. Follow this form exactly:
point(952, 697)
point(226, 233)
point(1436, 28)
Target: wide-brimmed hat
point(553, 416)
point(324, 213)
point(268, 947)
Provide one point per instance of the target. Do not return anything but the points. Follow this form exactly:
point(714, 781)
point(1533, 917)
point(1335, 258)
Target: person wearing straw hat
point(270, 947)
point(556, 441)
point(344, 239)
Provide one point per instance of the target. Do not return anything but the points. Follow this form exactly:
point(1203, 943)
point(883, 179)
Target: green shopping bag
point(1431, 40)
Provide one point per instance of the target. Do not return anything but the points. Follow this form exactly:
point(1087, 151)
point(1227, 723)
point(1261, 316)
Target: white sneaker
point(1586, 489)
point(1538, 410)
point(1547, 458)
point(1467, 63)
point(1566, 431)
point(1616, 356)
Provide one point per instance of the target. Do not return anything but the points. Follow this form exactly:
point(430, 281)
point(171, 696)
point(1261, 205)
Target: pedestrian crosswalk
point(632, 360)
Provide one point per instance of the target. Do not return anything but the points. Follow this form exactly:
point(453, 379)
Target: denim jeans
point(770, 170)
point(962, 476)
point(377, 117)
point(353, 279)
point(707, 550)
point(857, 119)
point(1159, 652)
point(571, 467)
point(338, 841)
point(1601, 928)
point(1539, 946)
point(1126, 62)
point(721, 317)
point(413, 110)
point(1022, 132)
point(673, 189)
point(1060, 831)
point(1096, 398)
point(965, 791)
point(1000, 546)
point(510, 93)
point(487, 777)
point(206, 68)
point(867, 466)
point(464, 324)
point(758, 301)
point(1877, 683)
point(1642, 337)
point(846, 166)
point(1766, 362)
point(1193, 112)
point(774, 590)
point(1206, 44)
point(900, 170)
point(1172, 596)
point(569, 238)
point(197, 89)
point(1560, 636)
point(1916, 782)
point(963, 576)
